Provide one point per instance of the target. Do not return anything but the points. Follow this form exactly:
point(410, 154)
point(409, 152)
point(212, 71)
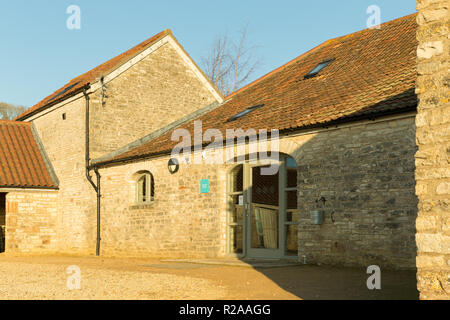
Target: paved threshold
point(250, 263)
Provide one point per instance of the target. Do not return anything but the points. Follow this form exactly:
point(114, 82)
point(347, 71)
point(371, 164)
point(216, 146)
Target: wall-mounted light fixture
point(173, 165)
point(318, 215)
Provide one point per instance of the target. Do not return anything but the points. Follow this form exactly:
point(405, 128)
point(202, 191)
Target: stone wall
point(365, 172)
point(181, 222)
point(366, 176)
point(153, 93)
point(31, 221)
point(156, 91)
point(64, 143)
point(432, 158)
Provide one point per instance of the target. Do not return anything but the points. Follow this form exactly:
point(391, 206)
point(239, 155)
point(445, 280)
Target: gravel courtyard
point(45, 277)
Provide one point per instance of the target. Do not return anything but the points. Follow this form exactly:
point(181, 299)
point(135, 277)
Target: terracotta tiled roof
point(23, 163)
point(78, 83)
point(373, 72)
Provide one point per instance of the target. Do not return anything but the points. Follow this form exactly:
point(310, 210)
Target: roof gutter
point(88, 168)
point(29, 188)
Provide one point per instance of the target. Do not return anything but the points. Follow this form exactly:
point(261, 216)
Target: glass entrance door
point(262, 210)
point(263, 214)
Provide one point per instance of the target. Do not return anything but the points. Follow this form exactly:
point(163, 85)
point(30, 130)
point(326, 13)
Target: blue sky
point(38, 54)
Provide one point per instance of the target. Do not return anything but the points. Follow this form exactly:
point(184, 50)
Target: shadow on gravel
point(333, 283)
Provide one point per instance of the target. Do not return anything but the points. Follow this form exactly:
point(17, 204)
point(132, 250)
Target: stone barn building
point(345, 114)
point(341, 134)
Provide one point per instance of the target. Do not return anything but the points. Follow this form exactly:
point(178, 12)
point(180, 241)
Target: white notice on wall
point(241, 200)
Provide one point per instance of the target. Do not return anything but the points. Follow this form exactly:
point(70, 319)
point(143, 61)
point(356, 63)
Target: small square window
point(64, 116)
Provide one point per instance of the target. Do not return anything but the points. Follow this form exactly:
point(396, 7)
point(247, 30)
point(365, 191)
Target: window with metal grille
point(145, 188)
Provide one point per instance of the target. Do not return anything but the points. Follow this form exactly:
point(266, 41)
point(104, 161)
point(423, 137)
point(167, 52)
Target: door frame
point(248, 211)
point(247, 251)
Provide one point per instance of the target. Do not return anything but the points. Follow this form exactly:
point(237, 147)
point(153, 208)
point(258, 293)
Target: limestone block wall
point(156, 91)
point(181, 222)
point(365, 172)
point(153, 93)
point(31, 222)
point(64, 143)
point(433, 156)
point(366, 176)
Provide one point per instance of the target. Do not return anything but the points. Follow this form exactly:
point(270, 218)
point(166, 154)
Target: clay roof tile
point(23, 163)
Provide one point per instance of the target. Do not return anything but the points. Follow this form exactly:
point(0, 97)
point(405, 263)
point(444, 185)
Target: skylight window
point(318, 68)
point(243, 113)
point(63, 91)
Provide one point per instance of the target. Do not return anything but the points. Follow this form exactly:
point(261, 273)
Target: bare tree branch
point(231, 64)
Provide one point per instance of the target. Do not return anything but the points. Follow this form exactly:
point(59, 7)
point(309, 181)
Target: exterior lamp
point(173, 165)
point(318, 215)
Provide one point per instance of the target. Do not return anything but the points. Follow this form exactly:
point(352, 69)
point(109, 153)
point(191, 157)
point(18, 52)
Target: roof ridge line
point(140, 47)
point(162, 34)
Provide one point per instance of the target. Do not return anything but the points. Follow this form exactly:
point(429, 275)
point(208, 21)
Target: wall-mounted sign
point(204, 186)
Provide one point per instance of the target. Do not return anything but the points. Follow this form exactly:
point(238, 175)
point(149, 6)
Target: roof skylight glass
point(243, 113)
point(63, 91)
point(318, 68)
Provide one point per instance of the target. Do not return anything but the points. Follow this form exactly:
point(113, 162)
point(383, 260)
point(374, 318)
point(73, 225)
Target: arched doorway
point(262, 210)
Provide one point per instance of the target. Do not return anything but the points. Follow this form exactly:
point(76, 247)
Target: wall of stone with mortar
point(181, 222)
point(153, 93)
point(64, 143)
point(365, 172)
point(366, 176)
point(31, 221)
point(433, 156)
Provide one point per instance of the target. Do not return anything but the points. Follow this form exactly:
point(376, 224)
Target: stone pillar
point(433, 156)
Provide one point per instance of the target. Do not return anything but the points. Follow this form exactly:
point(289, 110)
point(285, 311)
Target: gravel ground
point(19, 280)
point(45, 277)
